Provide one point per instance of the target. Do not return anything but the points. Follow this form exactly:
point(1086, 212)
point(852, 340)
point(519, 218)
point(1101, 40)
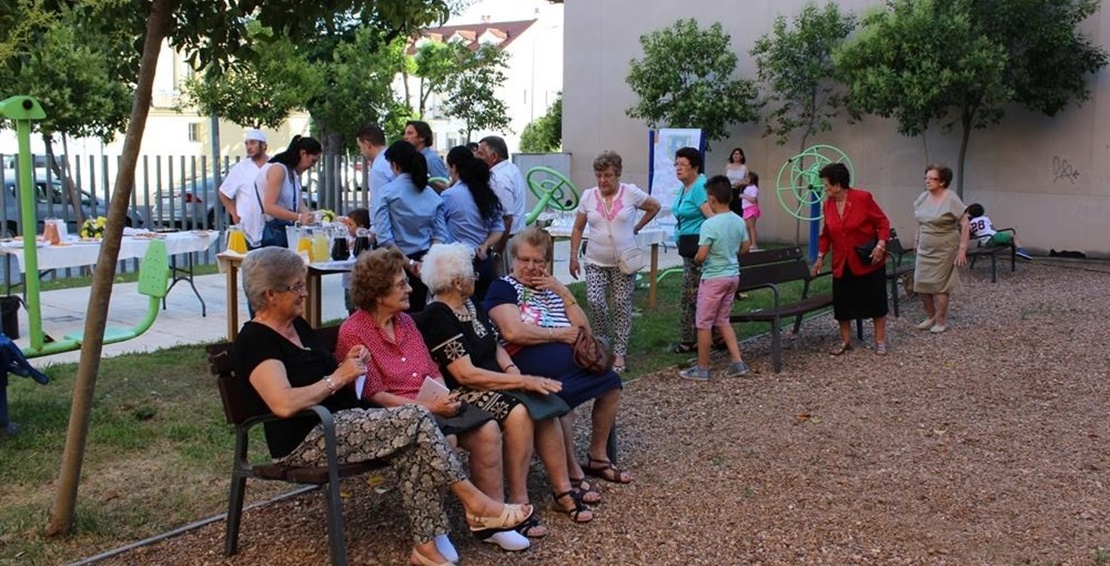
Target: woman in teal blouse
point(690, 210)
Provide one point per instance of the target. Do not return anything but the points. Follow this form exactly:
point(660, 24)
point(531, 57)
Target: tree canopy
point(796, 68)
point(685, 80)
point(961, 63)
point(544, 134)
point(470, 94)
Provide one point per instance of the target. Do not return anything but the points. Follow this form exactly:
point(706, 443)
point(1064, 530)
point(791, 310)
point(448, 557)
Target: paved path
point(63, 311)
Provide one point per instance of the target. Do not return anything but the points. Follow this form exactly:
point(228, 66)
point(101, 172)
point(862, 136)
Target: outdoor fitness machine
point(153, 274)
point(800, 190)
point(551, 189)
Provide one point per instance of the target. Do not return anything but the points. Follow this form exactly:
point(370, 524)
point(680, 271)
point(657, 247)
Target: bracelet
point(506, 368)
point(332, 388)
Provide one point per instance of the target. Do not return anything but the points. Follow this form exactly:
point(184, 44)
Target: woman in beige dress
point(941, 244)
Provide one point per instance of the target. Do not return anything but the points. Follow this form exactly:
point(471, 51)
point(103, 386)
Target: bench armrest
point(242, 432)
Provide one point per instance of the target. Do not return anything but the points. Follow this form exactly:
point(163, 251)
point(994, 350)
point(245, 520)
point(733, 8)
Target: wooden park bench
point(774, 269)
point(234, 395)
point(897, 266)
point(993, 251)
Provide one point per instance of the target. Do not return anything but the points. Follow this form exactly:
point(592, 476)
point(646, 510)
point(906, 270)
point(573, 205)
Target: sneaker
point(446, 549)
point(1020, 252)
point(508, 540)
point(925, 324)
point(737, 369)
point(695, 373)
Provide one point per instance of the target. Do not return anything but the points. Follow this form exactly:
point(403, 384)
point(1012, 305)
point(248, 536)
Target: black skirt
point(859, 296)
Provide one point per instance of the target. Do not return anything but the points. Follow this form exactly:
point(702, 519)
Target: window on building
point(194, 131)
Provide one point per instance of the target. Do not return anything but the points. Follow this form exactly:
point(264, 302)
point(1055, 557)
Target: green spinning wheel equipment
point(799, 186)
point(551, 189)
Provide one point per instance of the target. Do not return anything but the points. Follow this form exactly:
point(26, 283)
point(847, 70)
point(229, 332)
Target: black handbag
point(273, 233)
point(688, 245)
point(864, 251)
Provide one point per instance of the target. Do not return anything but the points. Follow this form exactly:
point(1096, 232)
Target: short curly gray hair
point(270, 269)
point(444, 263)
point(608, 160)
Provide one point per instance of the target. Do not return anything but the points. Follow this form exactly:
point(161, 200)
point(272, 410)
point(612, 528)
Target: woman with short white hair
point(462, 340)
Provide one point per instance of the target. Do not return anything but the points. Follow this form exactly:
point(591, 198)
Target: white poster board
point(664, 185)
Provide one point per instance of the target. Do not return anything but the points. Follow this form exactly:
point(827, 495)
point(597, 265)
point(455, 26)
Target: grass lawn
point(158, 452)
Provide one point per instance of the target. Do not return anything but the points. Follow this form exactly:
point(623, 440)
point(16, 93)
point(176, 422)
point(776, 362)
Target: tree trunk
point(963, 154)
point(158, 26)
point(65, 177)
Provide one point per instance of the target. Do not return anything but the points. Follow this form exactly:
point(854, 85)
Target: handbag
point(540, 407)
point(631, 261)
point(591, 353)
point(273, 230)
point(864, 251)
point(688, 245)
point(273, 233)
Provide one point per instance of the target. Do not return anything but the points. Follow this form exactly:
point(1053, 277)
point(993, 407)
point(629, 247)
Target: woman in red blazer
point(856, 230)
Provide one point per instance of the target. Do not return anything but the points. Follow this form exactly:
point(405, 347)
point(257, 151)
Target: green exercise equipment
point(551, 189)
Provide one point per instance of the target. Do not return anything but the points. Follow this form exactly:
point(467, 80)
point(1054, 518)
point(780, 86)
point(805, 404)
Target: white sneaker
point(444, 546)
point(507, 540)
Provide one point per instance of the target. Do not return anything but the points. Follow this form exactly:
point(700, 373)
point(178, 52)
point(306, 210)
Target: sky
point(505, 11)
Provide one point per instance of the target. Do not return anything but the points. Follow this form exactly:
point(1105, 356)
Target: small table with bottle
point(326, 249)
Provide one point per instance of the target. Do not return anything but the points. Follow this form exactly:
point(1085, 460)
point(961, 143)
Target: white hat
point(255, 134)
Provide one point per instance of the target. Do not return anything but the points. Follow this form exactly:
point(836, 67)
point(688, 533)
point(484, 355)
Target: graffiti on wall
point(1062, 169)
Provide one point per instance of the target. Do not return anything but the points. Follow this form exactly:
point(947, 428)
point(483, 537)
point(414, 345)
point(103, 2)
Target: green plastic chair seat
point(154, 277)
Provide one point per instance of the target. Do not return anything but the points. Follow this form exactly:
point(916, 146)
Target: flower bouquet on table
point(94, 228)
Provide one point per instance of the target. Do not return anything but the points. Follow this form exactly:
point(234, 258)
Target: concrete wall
point(1048, 177)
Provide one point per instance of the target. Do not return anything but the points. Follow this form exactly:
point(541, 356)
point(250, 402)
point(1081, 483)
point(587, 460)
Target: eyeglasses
point(294, 288)
point(530, 260)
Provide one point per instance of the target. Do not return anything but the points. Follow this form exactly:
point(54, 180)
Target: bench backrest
point(233, 393)
point(772, 267)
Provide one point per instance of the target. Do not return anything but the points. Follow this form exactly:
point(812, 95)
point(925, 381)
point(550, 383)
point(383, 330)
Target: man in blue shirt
point(419, 134)
point(371, 144)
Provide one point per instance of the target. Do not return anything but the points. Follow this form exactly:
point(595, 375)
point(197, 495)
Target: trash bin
point(9, 315)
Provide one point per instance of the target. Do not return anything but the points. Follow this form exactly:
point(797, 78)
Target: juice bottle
point(320, 248)
point(304, 244)
point(236, 240)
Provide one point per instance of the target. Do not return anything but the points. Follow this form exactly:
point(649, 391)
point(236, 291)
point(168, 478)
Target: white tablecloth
point(80, 254)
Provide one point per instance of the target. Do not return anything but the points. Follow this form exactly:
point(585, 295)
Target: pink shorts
point(715, 297)
point(752, 212)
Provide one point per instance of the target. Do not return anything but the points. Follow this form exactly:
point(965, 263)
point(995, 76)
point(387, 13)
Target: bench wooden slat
point(772, 268)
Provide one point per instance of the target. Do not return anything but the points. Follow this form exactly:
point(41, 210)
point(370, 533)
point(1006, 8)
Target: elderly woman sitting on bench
point(287, 370)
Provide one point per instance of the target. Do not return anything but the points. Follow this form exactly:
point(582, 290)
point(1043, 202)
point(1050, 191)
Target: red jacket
point(863, 220)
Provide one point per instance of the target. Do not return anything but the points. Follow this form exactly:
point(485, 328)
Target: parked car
point(55, 204)
point(195, 203)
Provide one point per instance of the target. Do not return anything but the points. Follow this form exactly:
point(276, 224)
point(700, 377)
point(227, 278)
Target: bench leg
point(336, 540)
point(859, 329)
point(894, 295)
point(776, 345)
point(611, 446)
point(234, 514)
point(994, 268)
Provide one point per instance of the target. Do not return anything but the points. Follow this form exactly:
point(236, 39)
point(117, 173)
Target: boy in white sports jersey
point(984, 232)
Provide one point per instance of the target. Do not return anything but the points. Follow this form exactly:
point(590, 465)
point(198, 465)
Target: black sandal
point(528, 527)
point(590, 495)
point(607, 472)
point(684, 348)
point(579, 507)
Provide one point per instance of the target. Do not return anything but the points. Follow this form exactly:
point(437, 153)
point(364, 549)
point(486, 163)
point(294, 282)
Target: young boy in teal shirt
point(722, 236)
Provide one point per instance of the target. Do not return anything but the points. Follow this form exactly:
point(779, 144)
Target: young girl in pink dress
point(750, 207)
